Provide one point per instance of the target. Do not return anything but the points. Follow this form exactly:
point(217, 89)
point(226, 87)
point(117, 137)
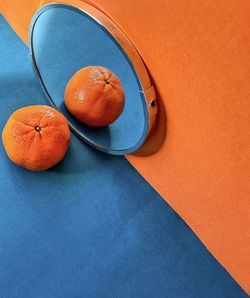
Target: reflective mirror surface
point(64, 39)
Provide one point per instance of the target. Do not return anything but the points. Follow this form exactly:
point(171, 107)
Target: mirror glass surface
point(64, 39)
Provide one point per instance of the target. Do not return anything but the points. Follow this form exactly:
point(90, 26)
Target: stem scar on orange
point(94, 96)
point(36, 137)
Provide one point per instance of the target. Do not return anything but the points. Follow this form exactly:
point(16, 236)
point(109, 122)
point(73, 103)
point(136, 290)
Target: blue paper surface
point(91, 226)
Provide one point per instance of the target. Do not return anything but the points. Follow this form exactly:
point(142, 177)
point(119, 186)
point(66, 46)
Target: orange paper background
point(198, 54)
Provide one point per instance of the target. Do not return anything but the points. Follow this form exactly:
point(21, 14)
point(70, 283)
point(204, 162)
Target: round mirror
point(63, 39)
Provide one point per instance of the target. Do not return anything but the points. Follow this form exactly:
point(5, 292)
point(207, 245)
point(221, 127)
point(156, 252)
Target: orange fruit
point(94, 96)
point(36, 137)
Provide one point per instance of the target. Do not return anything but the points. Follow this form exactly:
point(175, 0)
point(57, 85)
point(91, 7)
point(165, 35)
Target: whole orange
point(36, 137)
point(94, 96)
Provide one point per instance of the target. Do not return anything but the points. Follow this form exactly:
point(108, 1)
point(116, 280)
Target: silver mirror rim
point(147, 90)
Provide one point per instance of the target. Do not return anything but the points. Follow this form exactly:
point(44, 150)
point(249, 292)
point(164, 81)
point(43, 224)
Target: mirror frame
point(148, 92)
